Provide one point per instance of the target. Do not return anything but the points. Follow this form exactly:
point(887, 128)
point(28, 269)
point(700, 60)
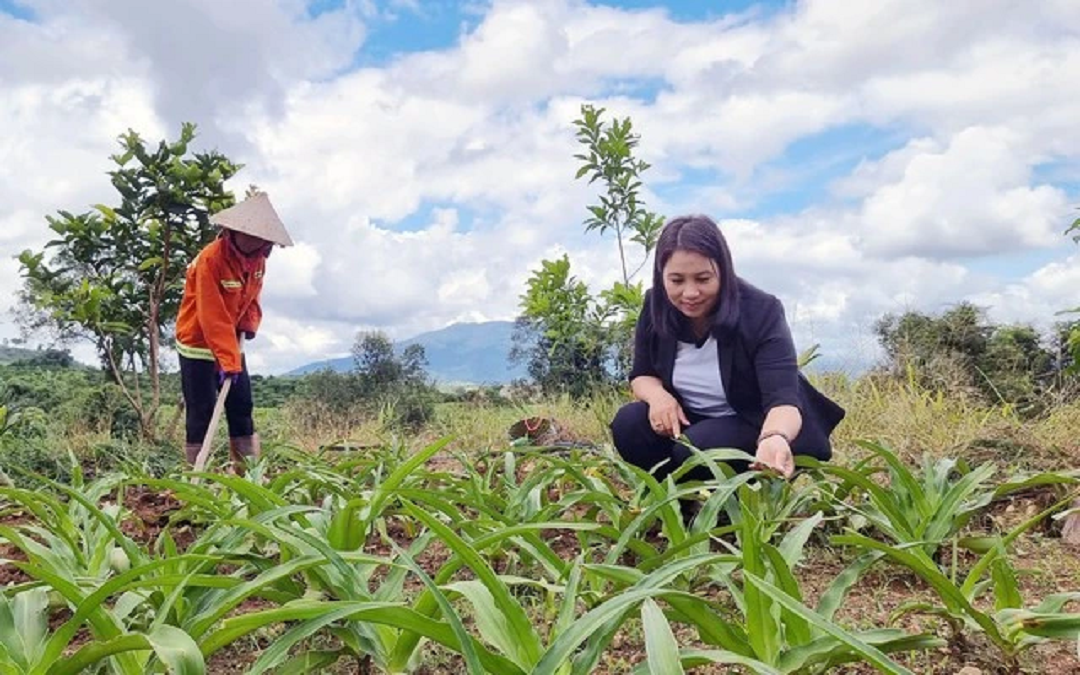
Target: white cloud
point(293, 271)
point(971, 197)
point(1038, 298)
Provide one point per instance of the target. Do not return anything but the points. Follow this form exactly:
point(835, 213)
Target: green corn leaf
point(983, 564)
point(1053, 626)
point(662, 652)
point(568, 606)
point(426, 605)
point(346, 531)
point(315, 661)
point(920, 564)
point(278, 651)
point(903, 478)
point(833, 596)
point(490, 620)
point(761, 626)
point(172, 646)
point(389, 486)
point(791, 547)
point(953, 510)
point(1022, 483)
point(898, 524)
point(827, 652)
point(1053, 604)
point(526, 642)
point(94, 603)
point(468, 650)
point(615, 609)
point(390, 614)
point(23, 625)
point(1006, 590)
point(866, 651)
point(234, 596)
point(693, 658)
point(796, 629)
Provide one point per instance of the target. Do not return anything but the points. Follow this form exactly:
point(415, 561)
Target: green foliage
point(560, 322)
point(912, 509)
point(307, 551)
point(384, 384)
point(114, 275)
point(44, 358)
point(1073, 342)
point(271, 391)
point(396, 383)
point(609, 158)
point(960, 350)
point(572, 341)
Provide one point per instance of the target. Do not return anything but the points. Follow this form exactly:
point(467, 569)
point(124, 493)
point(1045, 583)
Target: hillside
point(460, 353)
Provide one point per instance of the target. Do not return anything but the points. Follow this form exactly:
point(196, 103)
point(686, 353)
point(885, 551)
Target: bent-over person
point(221, 305)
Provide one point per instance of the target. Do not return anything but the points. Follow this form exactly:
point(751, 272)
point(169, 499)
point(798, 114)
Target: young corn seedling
point(1009, 626)
point(912, 509)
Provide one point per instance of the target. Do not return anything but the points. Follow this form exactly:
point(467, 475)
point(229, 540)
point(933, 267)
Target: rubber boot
point(241, 449)
point(191, 451)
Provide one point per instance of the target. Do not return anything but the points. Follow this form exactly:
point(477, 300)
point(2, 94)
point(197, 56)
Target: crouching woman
point(714, 359)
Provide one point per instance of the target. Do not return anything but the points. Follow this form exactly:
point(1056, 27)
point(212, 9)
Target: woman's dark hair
point(696, 234)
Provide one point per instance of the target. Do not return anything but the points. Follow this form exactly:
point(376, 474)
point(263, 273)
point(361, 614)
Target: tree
point(47, 358)
point(381, 369)
point(609, 158)
point(558, 334)
point(961, 348)
point(397, 383)
point(917, 339)
point(115, 275)
point(1073, 343)
point(571, 340)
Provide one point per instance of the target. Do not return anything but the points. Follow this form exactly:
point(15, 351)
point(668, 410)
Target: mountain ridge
point(463, 352)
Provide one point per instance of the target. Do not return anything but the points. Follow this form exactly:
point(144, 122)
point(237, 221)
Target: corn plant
point(922, 509)
point(770, 629)
point(75, 552)
point(26, 647)
point(1008, 626)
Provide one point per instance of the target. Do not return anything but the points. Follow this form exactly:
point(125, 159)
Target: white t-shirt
point(697, 379)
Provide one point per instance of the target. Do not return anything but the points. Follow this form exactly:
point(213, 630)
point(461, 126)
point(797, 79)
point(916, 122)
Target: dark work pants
point(639, 445)
point(199, 381)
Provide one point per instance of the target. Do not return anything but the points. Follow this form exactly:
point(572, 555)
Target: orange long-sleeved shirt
point(221, 299)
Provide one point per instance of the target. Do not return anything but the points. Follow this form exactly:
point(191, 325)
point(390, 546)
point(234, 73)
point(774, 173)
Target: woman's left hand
point(775, 453)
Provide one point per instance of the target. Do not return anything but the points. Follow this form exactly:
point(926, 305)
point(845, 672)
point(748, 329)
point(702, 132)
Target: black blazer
point(758, 366)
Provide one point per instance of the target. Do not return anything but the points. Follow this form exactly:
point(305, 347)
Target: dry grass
point(914, 421)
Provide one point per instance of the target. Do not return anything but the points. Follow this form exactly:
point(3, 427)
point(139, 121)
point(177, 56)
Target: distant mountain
point(477, 353)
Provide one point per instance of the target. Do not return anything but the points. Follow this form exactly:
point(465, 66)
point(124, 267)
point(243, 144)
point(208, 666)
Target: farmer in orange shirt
point(220, 306)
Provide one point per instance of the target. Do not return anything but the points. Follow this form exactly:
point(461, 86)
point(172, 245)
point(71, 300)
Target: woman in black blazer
point(714, 360)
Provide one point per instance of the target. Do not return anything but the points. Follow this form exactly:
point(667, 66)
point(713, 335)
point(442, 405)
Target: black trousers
point(639, 445)
point(199, 381)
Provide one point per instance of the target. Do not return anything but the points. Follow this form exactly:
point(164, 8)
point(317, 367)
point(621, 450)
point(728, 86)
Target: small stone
point(969, 670)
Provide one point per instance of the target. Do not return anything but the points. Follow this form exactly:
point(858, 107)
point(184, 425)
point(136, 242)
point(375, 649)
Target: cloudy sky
point(862, 157)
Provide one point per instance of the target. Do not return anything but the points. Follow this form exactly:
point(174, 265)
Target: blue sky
point(862, 158)
point(18, 10)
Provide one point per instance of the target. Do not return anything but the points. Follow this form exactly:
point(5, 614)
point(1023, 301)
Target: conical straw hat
point(254, 216)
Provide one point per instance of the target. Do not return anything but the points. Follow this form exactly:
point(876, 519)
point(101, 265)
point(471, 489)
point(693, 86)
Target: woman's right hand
point(666, 416)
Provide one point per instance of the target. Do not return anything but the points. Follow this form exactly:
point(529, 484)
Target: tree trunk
point(622, 254)
point(118, 376)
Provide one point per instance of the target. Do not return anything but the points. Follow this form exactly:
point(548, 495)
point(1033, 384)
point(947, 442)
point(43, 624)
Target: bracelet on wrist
point(770, 434)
